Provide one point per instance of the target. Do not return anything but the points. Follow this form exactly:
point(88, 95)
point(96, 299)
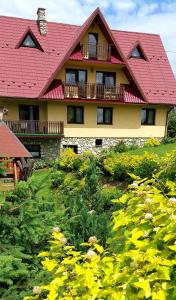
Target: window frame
point(154, 116)
point(77, 76)
point(34, 145)
point(104, 108)
point(75, 108)
point(104, 74)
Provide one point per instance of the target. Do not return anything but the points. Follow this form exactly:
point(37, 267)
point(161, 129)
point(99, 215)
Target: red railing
point(99, 52)
point(93, 91)
point(35, 127)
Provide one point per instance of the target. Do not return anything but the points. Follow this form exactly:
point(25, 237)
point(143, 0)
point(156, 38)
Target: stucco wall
point(13, 108)
point(126, 121)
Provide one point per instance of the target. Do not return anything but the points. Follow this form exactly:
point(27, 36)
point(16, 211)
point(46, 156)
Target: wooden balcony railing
point(99, 52)
point(93, 91)
point(36, 127)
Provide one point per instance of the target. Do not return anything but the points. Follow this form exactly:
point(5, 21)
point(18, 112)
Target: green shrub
point(57, 178)
point(148, 165)
point(151, 142)
point(68, 159)
point(139, 262)
point(120, 147)
point(169, 166)
point(39, 164)
point(171, 130)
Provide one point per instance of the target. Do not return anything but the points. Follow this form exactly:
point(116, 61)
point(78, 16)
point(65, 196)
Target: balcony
point(93, 91)
point(99, 52)
point(36, 128)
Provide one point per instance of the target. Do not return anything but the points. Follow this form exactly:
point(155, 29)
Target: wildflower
point(148, 216)
point(146, 234)
point(148, 200)
point(90, 253)
point(134, 184)
point(37, 290)
point(93, 240)
point(63, 241)
point(172, 200)
point(172, 217)
point(56, 229)
point(90, 212)
point(156, 229)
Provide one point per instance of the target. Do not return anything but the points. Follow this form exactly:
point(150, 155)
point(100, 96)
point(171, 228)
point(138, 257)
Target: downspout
point(166, 125)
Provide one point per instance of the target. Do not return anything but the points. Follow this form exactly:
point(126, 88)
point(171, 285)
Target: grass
point(160, 150)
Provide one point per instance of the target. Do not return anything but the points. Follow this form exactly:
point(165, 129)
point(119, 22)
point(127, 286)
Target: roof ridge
point(137, 32)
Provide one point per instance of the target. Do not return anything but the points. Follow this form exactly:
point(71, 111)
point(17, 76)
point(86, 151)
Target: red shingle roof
point(28, 72)
point(10, 146)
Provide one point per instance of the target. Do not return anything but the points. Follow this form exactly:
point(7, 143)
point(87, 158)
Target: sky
point(152, 16)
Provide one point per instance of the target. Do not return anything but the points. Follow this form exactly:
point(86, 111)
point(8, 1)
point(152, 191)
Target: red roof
point(10, 146)
point(28, 73)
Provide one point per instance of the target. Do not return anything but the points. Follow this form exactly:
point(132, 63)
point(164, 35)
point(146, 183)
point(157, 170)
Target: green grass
point(41, 179)
point(160, 150)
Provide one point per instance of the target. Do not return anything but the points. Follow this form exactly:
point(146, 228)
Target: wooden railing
point(93, 91)
point(35, 127)
point(100, 52)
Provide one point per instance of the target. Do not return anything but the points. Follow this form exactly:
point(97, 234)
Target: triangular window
point(137, 53)
point(29, 42)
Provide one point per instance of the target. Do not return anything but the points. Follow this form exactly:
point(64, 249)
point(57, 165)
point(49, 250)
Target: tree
point(171, 131)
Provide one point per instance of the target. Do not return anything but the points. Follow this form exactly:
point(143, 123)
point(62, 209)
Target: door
point(76, 83)
point(29, 114)
point(105, 81)
point(93, 44)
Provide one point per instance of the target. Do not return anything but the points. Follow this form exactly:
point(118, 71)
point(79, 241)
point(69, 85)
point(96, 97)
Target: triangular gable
point(137, 52)
point(29, 40)
point(81, 31)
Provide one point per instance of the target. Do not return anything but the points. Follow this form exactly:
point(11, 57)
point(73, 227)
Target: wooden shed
point(14, 157)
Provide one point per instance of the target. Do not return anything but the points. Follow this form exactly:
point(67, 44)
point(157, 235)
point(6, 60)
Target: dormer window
point(137, 52)
point(28, 42)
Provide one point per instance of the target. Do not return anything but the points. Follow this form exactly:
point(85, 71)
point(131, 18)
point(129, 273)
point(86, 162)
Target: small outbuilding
point(14, 157)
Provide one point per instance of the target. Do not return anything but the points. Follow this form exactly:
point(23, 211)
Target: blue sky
point(153, 16)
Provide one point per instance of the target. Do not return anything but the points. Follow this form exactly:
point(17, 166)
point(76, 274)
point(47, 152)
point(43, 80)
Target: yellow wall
point(13, 108)
point(94, 28)
point(92, 69)
point(126, 121)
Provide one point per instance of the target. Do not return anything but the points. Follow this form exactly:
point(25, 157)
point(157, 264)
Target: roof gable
point(137, 52)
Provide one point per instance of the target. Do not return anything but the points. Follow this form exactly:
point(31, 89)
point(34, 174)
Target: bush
point(148, 165)
point(171, 130)
point(68, 159)
point(151, 142)
point(120, 147)
point(169, 166)
point(57, 178)
point(139, 262)
point(39, 164)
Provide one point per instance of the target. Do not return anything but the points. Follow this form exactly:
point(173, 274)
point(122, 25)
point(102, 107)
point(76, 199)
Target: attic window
point(30, 41)
point(137, 53)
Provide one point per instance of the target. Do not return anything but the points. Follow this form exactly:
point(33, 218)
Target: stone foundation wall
point(89, 143)
point(50, 148)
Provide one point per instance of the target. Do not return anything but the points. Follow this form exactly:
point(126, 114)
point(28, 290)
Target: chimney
point(41, 20)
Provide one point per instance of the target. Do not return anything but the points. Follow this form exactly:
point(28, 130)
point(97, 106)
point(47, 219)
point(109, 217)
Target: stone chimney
point(41, 20)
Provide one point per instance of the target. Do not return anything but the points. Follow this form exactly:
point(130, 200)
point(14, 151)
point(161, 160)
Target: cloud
point(153, 16)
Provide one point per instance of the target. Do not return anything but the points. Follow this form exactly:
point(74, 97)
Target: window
point(93, 42)
point(148, 116)
point(73, 147)
point(104, 115)
point(29, 112)
point(35, 150)
point(75, 114)
point(76, 76)
point(106, 78)
point(98, 143)
point(137, 53)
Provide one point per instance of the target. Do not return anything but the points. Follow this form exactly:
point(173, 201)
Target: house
point(85, 87)
point(13, 157)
